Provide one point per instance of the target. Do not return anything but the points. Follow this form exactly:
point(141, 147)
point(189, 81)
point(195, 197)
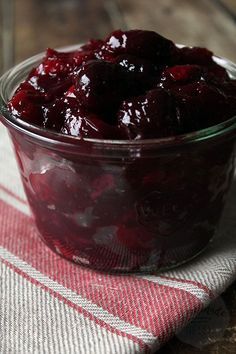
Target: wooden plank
point(230, 5)
point(55, 23)
point(6, 35)
point(199, 23)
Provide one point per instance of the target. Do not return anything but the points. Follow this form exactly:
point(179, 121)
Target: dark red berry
point(141, 70)
point(136, 64)
point(85, 125)
point(199, 106)
point(82, 125)
point(143, 44)
point(100, 86)
point(29, 106)
point(147, 116)
point(53, 75)
point(56, 111)
point(58, 64)
point(215, 74)
point(68, 117)
point(194, 55)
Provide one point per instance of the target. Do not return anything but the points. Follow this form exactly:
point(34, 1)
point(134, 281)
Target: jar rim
point(12, 78)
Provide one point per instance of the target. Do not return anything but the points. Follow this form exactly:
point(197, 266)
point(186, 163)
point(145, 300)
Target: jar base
point(82, 260)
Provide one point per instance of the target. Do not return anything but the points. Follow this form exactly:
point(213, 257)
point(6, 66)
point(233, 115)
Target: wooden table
point(55, 23)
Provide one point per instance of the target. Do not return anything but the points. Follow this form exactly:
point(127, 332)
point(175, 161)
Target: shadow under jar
point(122, 206)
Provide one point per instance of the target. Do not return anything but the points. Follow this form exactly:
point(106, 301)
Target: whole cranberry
point(100, 86)
point(55, 113)
point(53, 75)
point(147, 116)
point(65, 115)
point(199, 106)
point(143, 70)
point(193, 55)
point(143, 44)
point(55, 65)
point(87, 125)
point(29, 106)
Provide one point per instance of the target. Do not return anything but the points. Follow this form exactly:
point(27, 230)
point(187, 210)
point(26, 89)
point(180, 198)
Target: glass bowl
point(122, 206)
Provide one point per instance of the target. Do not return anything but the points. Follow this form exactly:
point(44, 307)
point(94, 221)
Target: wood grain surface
point(55, 23)
point(228, 6)
point(201, 22)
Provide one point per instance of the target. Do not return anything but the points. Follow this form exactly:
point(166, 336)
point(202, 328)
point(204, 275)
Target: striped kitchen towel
point(49, 305)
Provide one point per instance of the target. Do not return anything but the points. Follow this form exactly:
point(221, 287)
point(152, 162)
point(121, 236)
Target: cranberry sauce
point(138, 211)
point(133, 214)
point(132, 85)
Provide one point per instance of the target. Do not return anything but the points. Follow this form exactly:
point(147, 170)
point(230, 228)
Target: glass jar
point(122, 206)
